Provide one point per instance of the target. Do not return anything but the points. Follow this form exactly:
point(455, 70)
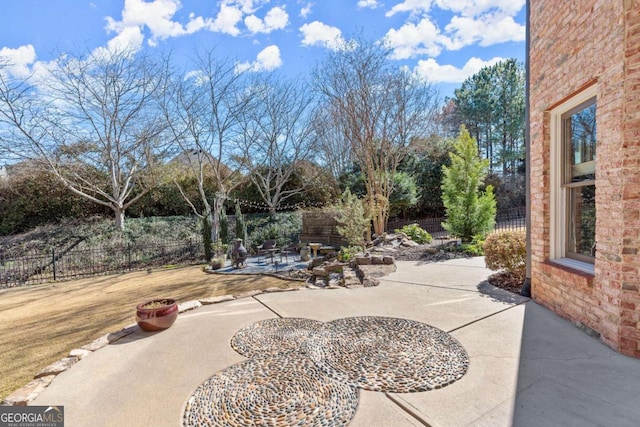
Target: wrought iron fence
point(509, 219)
point(59, 264)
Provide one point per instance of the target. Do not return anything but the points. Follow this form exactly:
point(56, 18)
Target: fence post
point(53, 261)
point(129, 256)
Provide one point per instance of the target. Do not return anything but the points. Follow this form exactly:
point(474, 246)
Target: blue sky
point(443, 41)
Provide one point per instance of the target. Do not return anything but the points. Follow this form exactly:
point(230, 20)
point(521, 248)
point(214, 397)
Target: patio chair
point(267, 249)
point(291, 249)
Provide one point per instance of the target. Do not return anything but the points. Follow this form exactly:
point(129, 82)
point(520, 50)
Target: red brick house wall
point(574, 45)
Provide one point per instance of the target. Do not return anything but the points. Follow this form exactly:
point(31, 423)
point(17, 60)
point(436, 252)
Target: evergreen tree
point(470, 212)
point(241, 226)
point(352, 218)
point(224, 227)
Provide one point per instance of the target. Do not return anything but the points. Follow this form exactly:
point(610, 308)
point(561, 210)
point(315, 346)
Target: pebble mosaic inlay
point(273, 336)
point(277, 390)
point(388, 354)
point(305, 372)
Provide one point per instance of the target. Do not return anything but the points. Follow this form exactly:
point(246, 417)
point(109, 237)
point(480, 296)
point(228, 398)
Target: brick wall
point(581, 43)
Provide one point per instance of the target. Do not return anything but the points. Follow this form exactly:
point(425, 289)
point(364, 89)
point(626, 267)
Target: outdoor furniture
point(267, 248)
point(291, 249)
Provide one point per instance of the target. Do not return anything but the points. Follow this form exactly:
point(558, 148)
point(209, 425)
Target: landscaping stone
point(248, 294)
point(376, 259)
point(388, 260)
point(26, 394)
point(97, 344)
point(319, 272)
point(216, 300)
point(188, 305)
point(57, 367)
point(79, 353)
point(363, 260)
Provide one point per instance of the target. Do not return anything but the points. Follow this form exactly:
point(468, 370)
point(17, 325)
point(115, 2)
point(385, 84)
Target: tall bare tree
point(277, 137)
point(202, 110)
point(379, 109)
point(333, 151)
point(92, 121)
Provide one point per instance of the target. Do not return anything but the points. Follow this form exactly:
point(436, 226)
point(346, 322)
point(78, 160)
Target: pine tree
point(470, 212)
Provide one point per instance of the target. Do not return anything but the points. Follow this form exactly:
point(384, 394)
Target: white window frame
point(558, 206)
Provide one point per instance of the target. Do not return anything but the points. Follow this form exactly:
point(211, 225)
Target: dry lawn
point(41, 324)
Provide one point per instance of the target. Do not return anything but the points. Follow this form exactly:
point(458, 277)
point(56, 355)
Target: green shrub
point(475, 247)
point(415, 233)
point(285, 228)
point(347, 254)
point(506, 250)
point(350, 214)
point(469, 211)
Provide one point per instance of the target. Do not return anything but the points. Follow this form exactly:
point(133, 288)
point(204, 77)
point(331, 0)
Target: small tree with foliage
point(224, 226)
point(241, 226)
point(470, 212)
point(352, 219)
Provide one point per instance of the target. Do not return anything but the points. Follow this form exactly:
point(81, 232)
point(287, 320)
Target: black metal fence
point(509, 219)
point(57, 264)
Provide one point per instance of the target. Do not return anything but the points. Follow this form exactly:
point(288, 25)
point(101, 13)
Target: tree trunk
point(218, 205)
point(119, 217)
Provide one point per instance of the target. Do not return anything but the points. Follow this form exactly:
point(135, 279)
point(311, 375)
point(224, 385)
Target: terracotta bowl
point(156, 317)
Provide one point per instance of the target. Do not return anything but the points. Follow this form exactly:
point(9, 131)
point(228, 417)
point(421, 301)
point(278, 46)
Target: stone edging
point(25, 395)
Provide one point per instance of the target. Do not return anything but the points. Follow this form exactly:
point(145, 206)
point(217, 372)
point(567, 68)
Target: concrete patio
point(527, 367)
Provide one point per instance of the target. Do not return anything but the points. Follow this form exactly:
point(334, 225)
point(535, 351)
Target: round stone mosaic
point(388, 354)
point(278, 390)
point(273, 336)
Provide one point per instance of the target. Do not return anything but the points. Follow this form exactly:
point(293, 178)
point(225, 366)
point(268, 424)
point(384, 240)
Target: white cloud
point(18, 60)
point(227, 20)
point(129, 38)
point(479, 7)
point(156, 15)
point(319, 34)
point(433, 72)
point(276, 19)
point(413, 6)
point(486, 30)
point(306, 11)
point(423, 38)
point(372, 4)
point(481, 22)
point(267, 60)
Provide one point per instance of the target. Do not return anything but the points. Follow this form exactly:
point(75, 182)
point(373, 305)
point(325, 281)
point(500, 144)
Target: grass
point(41, 324)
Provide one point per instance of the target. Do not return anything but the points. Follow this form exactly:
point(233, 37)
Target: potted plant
point(219, 258)
point(157, 314)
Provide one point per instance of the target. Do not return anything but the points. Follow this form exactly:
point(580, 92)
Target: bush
point(506, 251)
point(415, 233)
point(347, 254)
point(284, 228)
point(350, 214)
point(476, 247)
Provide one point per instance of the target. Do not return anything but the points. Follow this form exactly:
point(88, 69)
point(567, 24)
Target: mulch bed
point(508, 281)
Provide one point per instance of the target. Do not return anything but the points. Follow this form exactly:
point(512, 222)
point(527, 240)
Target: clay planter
point(156, 315)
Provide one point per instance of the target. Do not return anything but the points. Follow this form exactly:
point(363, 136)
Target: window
point(573, 181)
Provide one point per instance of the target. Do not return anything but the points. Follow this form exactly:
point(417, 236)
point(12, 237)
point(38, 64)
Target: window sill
point(580, 266)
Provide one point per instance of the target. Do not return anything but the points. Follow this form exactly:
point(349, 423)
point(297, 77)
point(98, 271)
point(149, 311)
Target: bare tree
point(379, 109)
point(333, 151)
point(92, 122)
point(202, 110)
point(277, 137)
